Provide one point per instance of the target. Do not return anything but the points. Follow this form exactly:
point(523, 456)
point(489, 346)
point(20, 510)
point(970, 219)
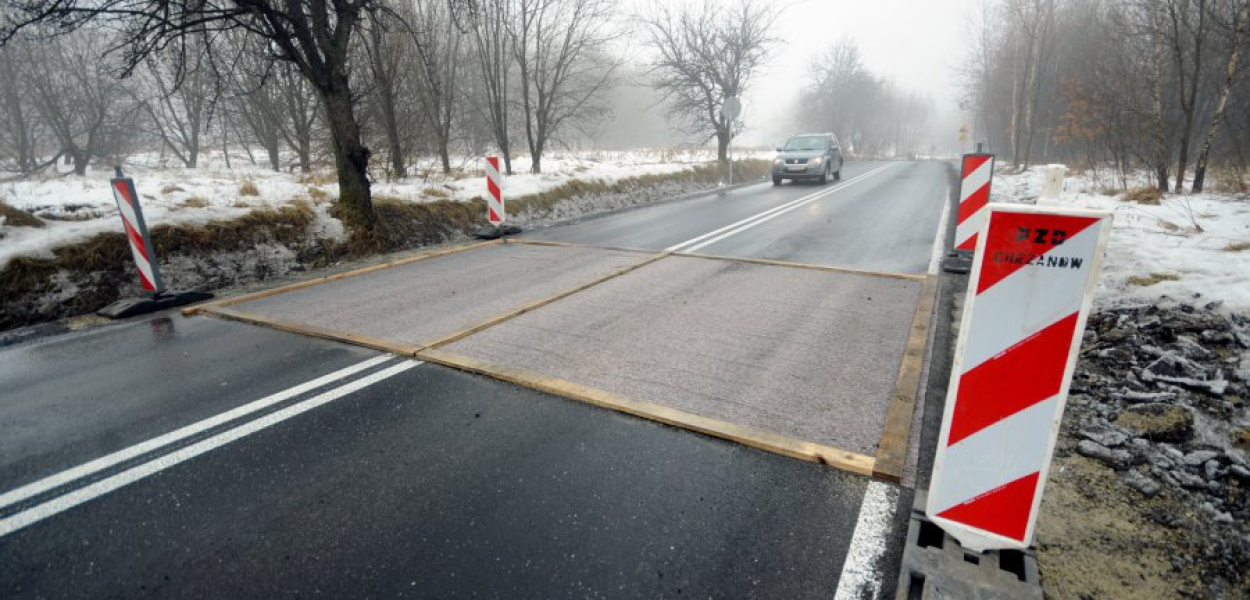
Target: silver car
point(812, 156)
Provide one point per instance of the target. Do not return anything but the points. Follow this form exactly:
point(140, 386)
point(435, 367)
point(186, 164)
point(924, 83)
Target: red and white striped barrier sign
point(1032, 282)
point(496, 212)
point(137, 232)
point(974, 194)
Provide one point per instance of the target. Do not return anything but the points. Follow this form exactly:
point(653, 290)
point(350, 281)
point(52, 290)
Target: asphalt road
point(882, 216)
point(197, 458)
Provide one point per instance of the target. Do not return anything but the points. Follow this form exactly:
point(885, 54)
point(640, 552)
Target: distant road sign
point(731, 108)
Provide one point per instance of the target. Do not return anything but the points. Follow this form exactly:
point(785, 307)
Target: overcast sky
point(914, 43)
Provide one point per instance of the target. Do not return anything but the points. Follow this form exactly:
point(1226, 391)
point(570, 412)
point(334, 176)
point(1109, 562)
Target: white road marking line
point(939, 239)
point(787, 209)
point(89, 468)
point(859, 578)
point(65, 502)
point(772, 211)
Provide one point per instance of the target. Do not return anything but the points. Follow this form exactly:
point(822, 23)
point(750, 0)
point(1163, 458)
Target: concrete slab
point(804, 353)
point(423, 302)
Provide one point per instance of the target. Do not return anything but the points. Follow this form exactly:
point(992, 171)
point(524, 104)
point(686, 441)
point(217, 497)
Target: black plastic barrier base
point(494, 232)
point(959, 261)
point(936, 567)
point(129, 307)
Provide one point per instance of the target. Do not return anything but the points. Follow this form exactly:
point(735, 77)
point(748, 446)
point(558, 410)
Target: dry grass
point(171, 188)
point(316, 193)
point(248, 188)
point(1144, 195)
point(401, 224)
point(195, 202)
point(434, 192)
point(14, 217)
point(1237, 247)
point(1151, 279)
point(1229, 181)
point(101, 267)
point(318, 178)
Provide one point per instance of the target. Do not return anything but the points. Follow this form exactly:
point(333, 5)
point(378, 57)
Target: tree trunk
point(398, 169)
point(305, 156)
point(1234, 56)
point(1188, 97)
point(80, 159)
point(444, 153)
point(351, 157)
point(1156, 101)
point(275, 158)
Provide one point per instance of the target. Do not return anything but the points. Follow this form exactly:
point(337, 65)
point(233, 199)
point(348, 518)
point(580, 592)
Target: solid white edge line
point(88, 468)
point(774, 209)
point(859, 578)
point(800, 204)
point(60, 504)
point(939, 239)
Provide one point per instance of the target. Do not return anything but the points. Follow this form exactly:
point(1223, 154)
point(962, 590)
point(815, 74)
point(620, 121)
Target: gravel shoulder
point(1147, 493)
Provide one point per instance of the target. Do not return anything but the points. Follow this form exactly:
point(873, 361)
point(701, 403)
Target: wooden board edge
point(537, 304)
point(795, 265)
point(896, 434)
point(299, 285)
point(745, 435)
point(576, 245)
point(317, 332)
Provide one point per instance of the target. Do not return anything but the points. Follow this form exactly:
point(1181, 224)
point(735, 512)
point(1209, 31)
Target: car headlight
point(778, 161)
point(817, 161)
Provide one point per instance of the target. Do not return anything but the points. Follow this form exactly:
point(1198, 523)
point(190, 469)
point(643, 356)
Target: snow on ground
point(77, 208)
point(1159, 245)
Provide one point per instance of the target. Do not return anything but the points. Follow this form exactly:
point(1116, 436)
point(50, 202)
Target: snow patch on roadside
point(76, 209)
point(1156, 250)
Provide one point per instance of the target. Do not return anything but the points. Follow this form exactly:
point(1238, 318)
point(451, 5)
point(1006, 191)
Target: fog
point(914, 45)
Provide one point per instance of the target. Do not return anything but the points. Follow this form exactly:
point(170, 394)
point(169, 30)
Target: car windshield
point(801, 144)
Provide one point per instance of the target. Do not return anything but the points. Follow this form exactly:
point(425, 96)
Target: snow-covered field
point(77, 208)
point(1157, 250)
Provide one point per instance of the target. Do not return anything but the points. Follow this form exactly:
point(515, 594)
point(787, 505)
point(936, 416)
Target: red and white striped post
point(1029, 294)
point(976, 177)
point(137, 233)
point(145, 259)
point(496, 211)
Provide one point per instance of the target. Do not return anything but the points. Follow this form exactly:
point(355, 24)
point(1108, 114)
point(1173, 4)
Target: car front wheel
point(776, 180)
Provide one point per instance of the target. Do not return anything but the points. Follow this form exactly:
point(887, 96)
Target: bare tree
point(438, 41)
point(1187, 29)
point(558, 46)
point(1240, 26)
point(707, 52)
point(186, 91)
point(80, 102)
point(19, 129)
point(259, 106)
point(381, 45)
point(313, 35)
point(490, 41)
